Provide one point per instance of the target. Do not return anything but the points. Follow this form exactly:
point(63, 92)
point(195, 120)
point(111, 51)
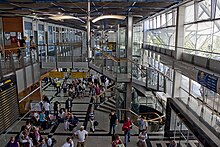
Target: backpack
point(97, 90)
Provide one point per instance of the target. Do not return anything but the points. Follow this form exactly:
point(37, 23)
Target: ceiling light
point(108, 17)
point(111, 31)
point(59, 13)
point(62, 17)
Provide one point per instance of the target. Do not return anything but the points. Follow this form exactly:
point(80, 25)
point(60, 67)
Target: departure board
point(9, 108)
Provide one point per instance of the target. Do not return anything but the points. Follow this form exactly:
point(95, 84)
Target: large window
point(160, 31)
point(202, 30)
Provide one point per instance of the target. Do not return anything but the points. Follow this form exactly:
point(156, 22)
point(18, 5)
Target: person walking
point(81, 136)
point(113, 121)
point(68, 143)
point(117, 141)
point(92, 120)
point(127, 126)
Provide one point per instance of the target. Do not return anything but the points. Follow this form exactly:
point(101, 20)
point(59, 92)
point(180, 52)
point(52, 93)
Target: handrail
point(32, 92)
point(149, 120)
point(14, 48)
point(130, 60)
point(104, 92)
point(183, 48)
point(15, 124)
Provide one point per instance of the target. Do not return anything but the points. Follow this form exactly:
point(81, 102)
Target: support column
point(179, 41)
point(118, 42)
point(128, 99)
point(88, 33)
point(129, 43)
point(129, 37)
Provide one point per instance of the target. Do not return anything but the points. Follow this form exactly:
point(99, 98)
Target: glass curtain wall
point(28, 32)
point(202, 28)
point(137, 39)
point(160, 30)
point(204, 102)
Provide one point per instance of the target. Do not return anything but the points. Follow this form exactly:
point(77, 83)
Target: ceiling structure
point(75, 12)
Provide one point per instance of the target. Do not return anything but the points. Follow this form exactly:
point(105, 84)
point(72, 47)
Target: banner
point(78, 74)
point(207, 80)
point(55, 74)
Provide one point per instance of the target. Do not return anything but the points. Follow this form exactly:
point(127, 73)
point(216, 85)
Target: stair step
point(112, 101)
point(107, 107)
point(110, 104)
point(103, 109)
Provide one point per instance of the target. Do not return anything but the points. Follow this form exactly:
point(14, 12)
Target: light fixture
point(108, 17)
point(62, 17)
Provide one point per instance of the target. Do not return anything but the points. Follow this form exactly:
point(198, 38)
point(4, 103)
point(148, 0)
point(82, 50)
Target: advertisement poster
point(207, 80)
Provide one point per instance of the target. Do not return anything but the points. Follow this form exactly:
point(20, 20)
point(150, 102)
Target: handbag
point(139, 143)
point(120, 145)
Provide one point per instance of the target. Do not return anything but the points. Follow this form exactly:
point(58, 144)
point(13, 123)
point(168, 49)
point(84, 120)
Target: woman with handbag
point(142, 139)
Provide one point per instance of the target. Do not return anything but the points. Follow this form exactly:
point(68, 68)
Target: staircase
point(107, 106)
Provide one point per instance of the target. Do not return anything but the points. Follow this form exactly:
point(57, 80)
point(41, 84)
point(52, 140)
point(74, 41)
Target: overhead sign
point(207, 80)
point(78, 74)
point(55, 74)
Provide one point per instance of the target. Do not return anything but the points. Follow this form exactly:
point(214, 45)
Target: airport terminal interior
point(110, 73)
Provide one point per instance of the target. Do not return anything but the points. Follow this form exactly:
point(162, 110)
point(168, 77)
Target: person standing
point(46, 106)
point(81, 136)
point(113, 121)
point(23, 46)
point(142, 139)
point(33, 47)
point(142, 124)
point(127, 126)
point(58, 84)
point(56, 108)
point(13, 143)
point(68, 104)
point(64, 86)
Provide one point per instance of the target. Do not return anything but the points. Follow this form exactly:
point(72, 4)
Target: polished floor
point(98, 139)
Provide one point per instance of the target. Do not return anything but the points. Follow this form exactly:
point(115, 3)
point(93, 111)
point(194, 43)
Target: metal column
point(129, 42)
point(89, 52)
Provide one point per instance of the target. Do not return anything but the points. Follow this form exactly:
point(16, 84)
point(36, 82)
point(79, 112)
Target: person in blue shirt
point(43, 120)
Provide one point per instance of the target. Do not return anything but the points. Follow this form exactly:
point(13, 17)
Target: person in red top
point(117, 141)
point(127, 126)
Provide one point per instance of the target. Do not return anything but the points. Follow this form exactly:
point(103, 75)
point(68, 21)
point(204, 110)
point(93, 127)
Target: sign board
point(35, 106)
point(55, 74)
point(78, 74)
point(207, 80)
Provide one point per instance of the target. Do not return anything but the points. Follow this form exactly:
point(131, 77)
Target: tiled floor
point(80, 106)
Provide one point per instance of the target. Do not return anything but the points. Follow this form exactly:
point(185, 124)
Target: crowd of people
point(30, 134)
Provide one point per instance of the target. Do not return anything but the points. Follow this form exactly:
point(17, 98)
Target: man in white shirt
point(81, 136)
point(69, 143)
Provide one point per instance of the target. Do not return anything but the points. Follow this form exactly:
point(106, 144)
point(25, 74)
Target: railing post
point(24, 69)
point(37, 51)
point(32, 67)
point(12, 63)
point(56, 60)
point(1, 74)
